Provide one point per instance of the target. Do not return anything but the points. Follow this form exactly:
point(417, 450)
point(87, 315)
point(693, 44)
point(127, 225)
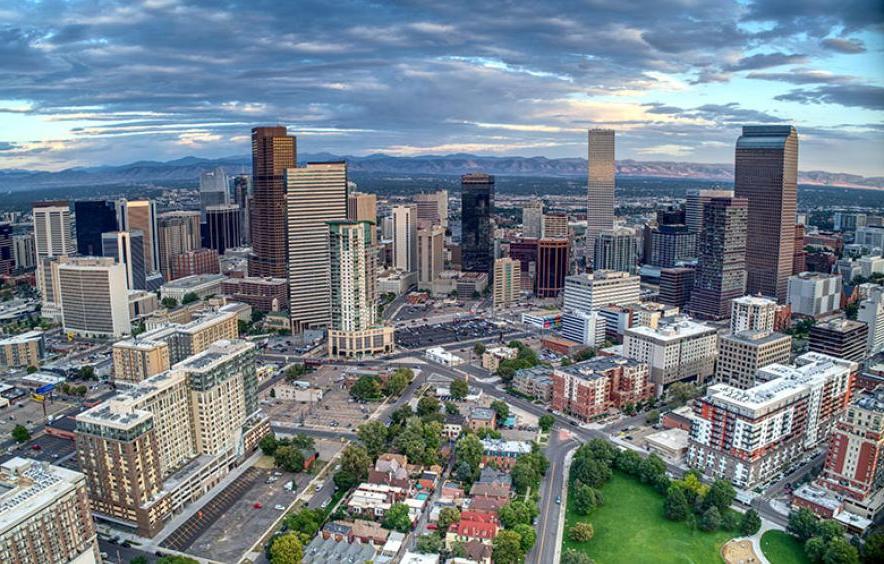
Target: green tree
point(650, 468)
point(516, 512)
point(680, 393)
point(730, 520)
point(447, 517)
point(87, 372)
point(366, 388)
point(829, 530)
point(169, 303)
point(397, 519)
point(721, 495)
point(711, 519)
point(507, 548)
point(571, 556)
point(295, 371)
point(419, 441)
point(305, 522)
point(581, 532)
point(653, 417)
point(469, 449)
point(802, 524)
point(429, 544)
point(354, 467)
point(21, 434)
point(31, 369)
point(189, 298)
point(286, 549)
point(479, 349)
point(839, 551)
point(268, 444)
point(176, 560)
point(591, 472)
point(459, 389)
point(546, 422)
point(584, 499)
point(427, 406)
point(501, 408)
point(528, 535)
point(451, 409)
point(374, 436)
point(289, 458)
point(873, 548)
point(524, 475)
point(815, 548)
point(750, 523)
point(676, 506)
point(397, 382)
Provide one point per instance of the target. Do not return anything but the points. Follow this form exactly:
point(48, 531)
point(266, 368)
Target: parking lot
point(29, 413)
point(444, 333)
point(335, 410)
point(46, 448)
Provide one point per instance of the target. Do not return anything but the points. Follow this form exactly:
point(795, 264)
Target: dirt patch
point(739, 552)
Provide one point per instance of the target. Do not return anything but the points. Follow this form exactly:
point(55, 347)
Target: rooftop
point(677, 328)
point(28, 486)
point(194, 281)
point(871, 400)
point(597, 366)
point(22, 338)
point(756, 337)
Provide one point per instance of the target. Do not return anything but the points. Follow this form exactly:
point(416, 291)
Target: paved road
point(119, 554)
point(552, 486)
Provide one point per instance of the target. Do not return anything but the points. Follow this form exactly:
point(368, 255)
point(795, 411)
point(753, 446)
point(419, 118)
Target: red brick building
point(592, 388)
point(199, 261)
point(263, 294)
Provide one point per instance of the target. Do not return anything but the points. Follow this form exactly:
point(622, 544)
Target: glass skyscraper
point(477, 230)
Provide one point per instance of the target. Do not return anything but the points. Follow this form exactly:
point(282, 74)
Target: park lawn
point(630, 527)
point(782, 548)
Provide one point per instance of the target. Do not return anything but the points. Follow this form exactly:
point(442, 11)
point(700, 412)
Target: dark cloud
point(848, 46)
point(766, 60)
point(7, 146)
point(803, 76)
point(723, 114)
point(855, 95)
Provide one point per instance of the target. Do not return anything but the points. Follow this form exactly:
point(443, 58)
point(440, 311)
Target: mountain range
point(188, 169)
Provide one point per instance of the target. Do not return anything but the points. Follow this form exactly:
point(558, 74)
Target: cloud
point(670, 149)
point(852, 95)
point(847, 46)
point(766, 60)
point(7, 146)
point(803, 76)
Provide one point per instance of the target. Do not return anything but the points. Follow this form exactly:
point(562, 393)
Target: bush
point(711, 519)
point(750, 523)
point(581, 532)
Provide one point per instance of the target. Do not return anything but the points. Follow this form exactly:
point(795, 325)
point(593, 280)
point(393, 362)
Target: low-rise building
point(263, 294)
point(543, 319)
point(592, 388)
point(841, 338)
point(22, 350)
point(741, 355)
point(492, 357)
point(670, 443)
point(584, 328)
point(441, 356)
point(482, 418)
point(503, 453)
point(201, 285)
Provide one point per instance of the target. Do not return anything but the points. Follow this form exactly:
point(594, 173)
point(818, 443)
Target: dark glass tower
point(94, 217)
point(273, 151)
point(477, 231)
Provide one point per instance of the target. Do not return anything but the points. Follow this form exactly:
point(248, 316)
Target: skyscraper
point(433, 208)
point(127, 248)
point(362, 206)
point(600, 196)
point(316, 195)
point(430, 254)
point(721, 269)
point(214, 189)
point(94, 217)
point(7, 255)
point(405, 238)
point(532, 220)
point(141, 215)
point(693, 208)
point(552, 266)
point(766, 173)
point(93, 296)
point(179, 232)
point(222, 228)
point(52, 229)
point(477, 230)
point(273, 151)
point(555, 226)
point(615, 249)
point(507, 282)
point(242, 196)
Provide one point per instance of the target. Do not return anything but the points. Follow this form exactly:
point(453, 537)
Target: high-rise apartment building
point(141, 215)
point(507, 283)
point(430, 254)
point(555, 226)
point(222, 228)
point(840, 338)
point(178, 232)
point(405, 238)
point(532, 220)
point(317, 195)
point(591, 292)
point(553, 265)
point(748, 436)
point(139, 358)
point(214, 189)
point(814, 294)
point(590, 389)
point(432, 208)
point(600, 196)
point(616, 249)
point(477, 229)
point(127, 248)
point(44, 515)
point(93, 296)
point(94, 217)
point(871, 312)
point(766, 173)
point(273, 152)
point(741, 354)
point(753, 313)
point(721, 268)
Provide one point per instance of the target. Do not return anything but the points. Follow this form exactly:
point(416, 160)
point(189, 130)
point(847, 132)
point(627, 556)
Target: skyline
point(87, 85)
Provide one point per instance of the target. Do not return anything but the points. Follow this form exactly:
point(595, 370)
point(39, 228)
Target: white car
point(279, 507)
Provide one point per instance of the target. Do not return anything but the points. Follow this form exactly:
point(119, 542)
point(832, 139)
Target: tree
point(366, 388)
point(176, 560)
point(581, 532)
point(447, 517)
point(802, 524)
point(829, 530)
point(86, 372)
point(681, 392)
point(295, 371)
point(591, 472)
point(507, 548)
point(451, 409)
point(653, 417)
point(429, 544)
point(815, 548)
point(427, 406)
point(650, 468)
point(464, 473)
point(501, 408)
point(584, 499)
point(374, 436)
point(189, 298)
point(459, 389)
point(516, 512)
point(289, 458)
point(676, 506)
point(572, 556)
point(524, 475)
point(306, 523)
point(397, 382)
point(354, 467)
point(397, 519)
point(873, 549)
point(21, 434)
point(268, 444)
point(528, 534)
point(286, 549)
point(31, 369)
point(730, 520)
point(750, 523)
point(479, 349)
point(839, 551)
point(304, 442)
point(721, 495)
point(546, 422)
point(169, 303)
point(469, 449)
point(420, 441)
point(711, 519)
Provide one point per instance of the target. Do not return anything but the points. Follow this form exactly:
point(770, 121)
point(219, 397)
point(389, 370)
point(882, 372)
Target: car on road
point(279, 507)
point(258, 505)
point(558, 500)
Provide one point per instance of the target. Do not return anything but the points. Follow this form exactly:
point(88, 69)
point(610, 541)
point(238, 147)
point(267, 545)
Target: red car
point(257, 505)
point(36, 447)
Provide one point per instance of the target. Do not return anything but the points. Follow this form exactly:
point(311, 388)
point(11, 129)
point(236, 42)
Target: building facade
point(179, 232)
point(405, 238)
point(593, 388)
point(600, 181)
point(742, 354)
point(507, 282)
point(92, 218)
point(93, 297)
point(273, 152)
point(590, 292)
point(840, 338)
point(477, 229)
point(616, 249)
point(814, 294)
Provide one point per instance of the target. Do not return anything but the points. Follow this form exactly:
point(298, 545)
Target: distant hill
point(188, 169)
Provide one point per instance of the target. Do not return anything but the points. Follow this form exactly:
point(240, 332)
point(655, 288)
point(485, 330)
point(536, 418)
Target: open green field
point(630, 527)
point(782, 548)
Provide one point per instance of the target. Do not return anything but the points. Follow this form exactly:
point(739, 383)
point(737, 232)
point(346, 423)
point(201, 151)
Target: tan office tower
point(532, 220)
point(141, 215)
point(766, 173)
point(693, 208)
point(433, 208)
point(52, 229)
point(93, 297)
point(178, 233)
point(362, 206)
point(273, 152)
point(555, 226)
point(742, 354)
point(507, 282)
point(44, 515)
point(430, 254)
point(317, 194)
point(600, 197)
point(405, 238)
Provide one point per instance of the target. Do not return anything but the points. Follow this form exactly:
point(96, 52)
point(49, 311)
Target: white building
point(678, 350)
point(52, 229)
point(441, 356)
point(589, 292)
point(405, 238)
point(532, 220)
point(814, 294)
point(203, 285)
point(871, 311)
point(753, 313)
point(870, 265)
point(584, 328)
point(93, 297)
point(871, 237)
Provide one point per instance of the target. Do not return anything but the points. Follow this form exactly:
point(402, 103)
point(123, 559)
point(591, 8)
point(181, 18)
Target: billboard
point(45, 389)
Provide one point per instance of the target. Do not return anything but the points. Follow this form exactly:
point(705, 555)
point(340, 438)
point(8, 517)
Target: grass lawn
point(630, 527)
point(782, 548)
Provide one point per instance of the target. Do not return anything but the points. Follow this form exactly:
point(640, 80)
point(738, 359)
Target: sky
point(86, 83)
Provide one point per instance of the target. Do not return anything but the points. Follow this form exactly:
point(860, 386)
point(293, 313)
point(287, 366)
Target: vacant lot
point(782, 548)
point(630, 527)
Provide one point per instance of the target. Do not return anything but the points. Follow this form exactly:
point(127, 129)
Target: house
point(374, 500)
point(482, 418)
point(473, 526)
point(503, 453)
point(499, 491)
point(485, 504)
point(490, 475)
point(478, 552)
point(417, 558)
point(452, 490)
point(390, 470)
point(337, 530)
point(393, 545)
point(322, 550)
point(368, 532)
point(452, 427)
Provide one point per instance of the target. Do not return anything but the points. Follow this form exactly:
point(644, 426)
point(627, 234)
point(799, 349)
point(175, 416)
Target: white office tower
point(584, 328)
point(93, 296)
point(871, 311)
point(532, 220)
point(316, 195)
point(52, 229)
point(214, 190)
point(600, 195)
point(590, 292)
point(405, 238)
point(753, 313)
point(814, 294)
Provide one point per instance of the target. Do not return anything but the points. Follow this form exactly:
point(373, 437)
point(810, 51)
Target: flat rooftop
point(194, 281)
point(28, 486)
point(21, 338)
